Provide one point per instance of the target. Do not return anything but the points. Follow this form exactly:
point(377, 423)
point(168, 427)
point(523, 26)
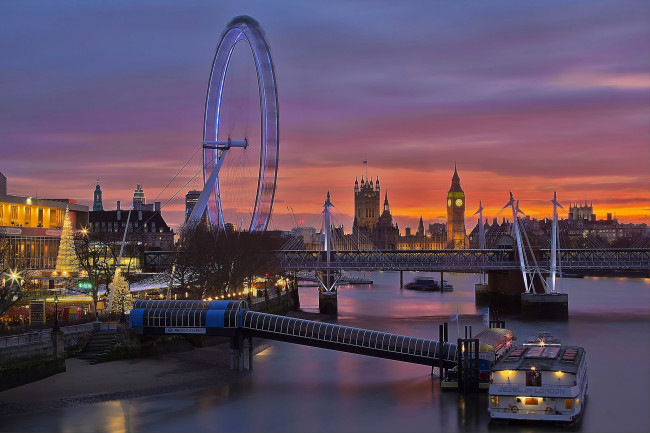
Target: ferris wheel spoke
point(245, 185)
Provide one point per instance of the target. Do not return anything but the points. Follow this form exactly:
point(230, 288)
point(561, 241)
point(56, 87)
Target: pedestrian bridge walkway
point(235, 320)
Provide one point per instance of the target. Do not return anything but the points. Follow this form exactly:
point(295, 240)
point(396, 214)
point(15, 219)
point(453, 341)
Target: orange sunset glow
point(515, 105)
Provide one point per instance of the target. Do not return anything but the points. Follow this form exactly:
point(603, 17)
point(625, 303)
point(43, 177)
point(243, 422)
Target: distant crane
point(290, 209)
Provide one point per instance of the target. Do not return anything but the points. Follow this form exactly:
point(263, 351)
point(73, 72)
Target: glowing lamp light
point(532, 368)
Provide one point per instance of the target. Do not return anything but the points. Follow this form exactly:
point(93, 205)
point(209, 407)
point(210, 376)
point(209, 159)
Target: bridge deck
point(624, 259)
point(232, 319)
point(348, 339)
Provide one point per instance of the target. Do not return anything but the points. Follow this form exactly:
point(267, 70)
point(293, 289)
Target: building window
point(14, 215)
point(533, 378)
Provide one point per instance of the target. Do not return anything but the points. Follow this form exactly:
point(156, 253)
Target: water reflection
point(303, 389)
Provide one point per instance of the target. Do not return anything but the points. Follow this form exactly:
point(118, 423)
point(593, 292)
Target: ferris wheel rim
point(245, 29)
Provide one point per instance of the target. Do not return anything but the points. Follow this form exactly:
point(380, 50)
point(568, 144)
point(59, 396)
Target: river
point(304, 389)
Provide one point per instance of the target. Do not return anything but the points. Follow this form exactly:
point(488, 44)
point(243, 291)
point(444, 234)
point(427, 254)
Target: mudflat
point(83, 383)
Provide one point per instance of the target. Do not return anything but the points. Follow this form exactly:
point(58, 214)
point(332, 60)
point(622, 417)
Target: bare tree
point(98, 253)
point(210, 262)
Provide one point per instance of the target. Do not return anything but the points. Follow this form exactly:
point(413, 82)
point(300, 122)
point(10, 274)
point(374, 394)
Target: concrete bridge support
point(505, 292)
point(502, 291)
point(328, 302)
point(241, 353)
point(545, 306)
point(327, 293)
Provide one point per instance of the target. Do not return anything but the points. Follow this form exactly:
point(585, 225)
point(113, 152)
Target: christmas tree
point(121, 294)
point(66, 260)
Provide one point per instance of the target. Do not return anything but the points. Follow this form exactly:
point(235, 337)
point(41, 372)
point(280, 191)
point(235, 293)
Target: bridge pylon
point(526, 291)
point(328, 279)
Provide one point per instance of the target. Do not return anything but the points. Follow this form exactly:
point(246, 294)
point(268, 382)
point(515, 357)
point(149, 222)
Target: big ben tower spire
point(456, 213)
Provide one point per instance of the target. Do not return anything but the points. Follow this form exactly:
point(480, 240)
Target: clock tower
point(456, 236)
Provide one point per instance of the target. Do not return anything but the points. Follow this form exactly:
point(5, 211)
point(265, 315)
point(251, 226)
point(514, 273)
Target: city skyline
point(532, 98)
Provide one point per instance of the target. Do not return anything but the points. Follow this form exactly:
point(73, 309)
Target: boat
point(541, 380)
point(494, 343)
point(423, 284)
point(447, 286)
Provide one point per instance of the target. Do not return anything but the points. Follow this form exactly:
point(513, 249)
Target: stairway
point(99, 344)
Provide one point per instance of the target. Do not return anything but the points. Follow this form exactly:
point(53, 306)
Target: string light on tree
point(121, 295)
point(67, 263)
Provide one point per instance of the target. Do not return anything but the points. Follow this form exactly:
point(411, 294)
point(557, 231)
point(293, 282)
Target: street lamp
point(55, 328)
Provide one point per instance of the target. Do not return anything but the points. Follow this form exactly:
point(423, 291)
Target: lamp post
point(55, 328)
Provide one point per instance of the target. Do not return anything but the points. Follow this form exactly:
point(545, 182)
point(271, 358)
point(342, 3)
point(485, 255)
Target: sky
point(530, 97)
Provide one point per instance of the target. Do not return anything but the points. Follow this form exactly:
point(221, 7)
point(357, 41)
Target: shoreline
point(128, 378)
point(85, 383)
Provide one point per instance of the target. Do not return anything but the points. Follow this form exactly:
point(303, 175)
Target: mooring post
point(446, 325)
point(475, 370)
point(401, 280)
point(440, 351)
point(459, 365)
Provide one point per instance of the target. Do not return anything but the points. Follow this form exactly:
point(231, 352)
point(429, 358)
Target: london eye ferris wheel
point(240, 151)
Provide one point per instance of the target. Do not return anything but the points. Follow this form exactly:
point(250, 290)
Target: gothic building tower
point(366, 205)
point(386, 234)
point(456, 214)
point(97, 199)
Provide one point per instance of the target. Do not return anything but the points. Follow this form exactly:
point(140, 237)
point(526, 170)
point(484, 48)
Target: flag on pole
point(454, 318)
point(365, 161)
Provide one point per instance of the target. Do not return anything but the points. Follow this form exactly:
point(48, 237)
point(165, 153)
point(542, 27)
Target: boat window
point(494, 400)
point(568, 403)
point(533, 378)
point(531, 401)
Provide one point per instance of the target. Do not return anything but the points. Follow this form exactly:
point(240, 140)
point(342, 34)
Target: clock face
point(459, 202)
point(448, 202)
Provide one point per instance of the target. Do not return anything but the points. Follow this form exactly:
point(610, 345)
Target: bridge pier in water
point(505, 292)
point(327, 294)
point(328, 302)
point(545, 305)
point(241, 353)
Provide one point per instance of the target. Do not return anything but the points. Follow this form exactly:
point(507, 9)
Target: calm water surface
point(305, 389)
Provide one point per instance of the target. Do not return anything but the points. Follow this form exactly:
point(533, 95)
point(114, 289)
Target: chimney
point(118, 205)
point(157, 206)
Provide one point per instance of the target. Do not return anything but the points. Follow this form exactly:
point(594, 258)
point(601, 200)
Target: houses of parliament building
point(378, 228)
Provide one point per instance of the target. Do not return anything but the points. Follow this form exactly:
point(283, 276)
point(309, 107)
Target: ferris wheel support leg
point(202, 201)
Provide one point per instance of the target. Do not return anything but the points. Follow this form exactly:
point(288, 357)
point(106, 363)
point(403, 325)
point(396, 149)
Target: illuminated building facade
point(386, 235)
point(366, 205)
point(190, 201)
point(97, 199)
point(456, 235)
point(147, 230)
point(33, 226)
point(582, 211)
